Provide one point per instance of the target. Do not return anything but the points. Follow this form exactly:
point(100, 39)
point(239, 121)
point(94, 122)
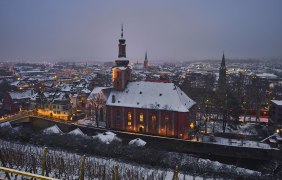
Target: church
point(154, 108)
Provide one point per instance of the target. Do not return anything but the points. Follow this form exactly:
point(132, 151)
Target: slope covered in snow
point(137, 142)
point(106, 137)
point(52, 130)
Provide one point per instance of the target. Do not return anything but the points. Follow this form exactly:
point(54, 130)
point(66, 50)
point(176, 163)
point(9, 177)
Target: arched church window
point(141, 117)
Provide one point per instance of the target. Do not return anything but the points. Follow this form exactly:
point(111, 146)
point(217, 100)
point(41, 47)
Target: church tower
point(121, 73)
point(146, 61)
point(222, 75)
point(122, 46)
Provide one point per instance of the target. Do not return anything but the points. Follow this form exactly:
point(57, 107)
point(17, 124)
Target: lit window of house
point(141, 117)
point(129, 116)
point(154, 117)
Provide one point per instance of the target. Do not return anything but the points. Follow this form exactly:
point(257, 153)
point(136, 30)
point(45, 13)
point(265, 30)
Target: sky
point(167, 29)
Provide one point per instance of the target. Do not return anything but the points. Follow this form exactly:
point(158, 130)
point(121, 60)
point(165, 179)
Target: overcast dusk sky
point(167, 29)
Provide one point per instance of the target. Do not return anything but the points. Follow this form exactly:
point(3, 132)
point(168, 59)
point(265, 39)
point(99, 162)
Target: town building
point(55, 105)
point(15, 101)
point(142, 66)
point(156, 108)
point(275, 113)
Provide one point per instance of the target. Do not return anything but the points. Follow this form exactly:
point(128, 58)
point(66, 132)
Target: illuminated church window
point(141, 117)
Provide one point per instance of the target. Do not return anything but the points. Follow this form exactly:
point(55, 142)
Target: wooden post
point(175, 175)
point(44, 160)
point(25, 174)
point(81, 176)
point(4, 165)
point(104, 172)
point(115, 174)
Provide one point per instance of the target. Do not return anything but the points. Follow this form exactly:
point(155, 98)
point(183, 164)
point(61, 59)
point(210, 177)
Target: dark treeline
point(244, 95)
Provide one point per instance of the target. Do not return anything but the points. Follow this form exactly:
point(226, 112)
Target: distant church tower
point(222, 75)
point(146, 61)
point(121, 73)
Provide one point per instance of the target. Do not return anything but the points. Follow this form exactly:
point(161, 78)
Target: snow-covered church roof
point(151, 95)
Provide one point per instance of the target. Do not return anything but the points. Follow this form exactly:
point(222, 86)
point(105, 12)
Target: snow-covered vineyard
point(65, 165)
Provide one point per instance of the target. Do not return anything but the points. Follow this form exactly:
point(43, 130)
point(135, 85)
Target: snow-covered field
point(242, 129)
point(253, 119)
point(235, 142)
point(65, 165)
point(88, 122)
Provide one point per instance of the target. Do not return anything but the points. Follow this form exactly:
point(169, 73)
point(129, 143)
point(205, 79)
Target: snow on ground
point(107, 137)
point(5, 124)
point(89, 122)
point(137, 142)
point(52, 130)
point(86, 122)
point(76, 131)
point(235, 142)
point(73, 161)
point(253, 119)
point(242, 129)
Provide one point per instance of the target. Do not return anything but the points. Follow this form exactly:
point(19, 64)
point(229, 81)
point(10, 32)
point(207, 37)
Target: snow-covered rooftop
point(66, 88)
point(277, 102)
point(85, 90)
point(95, 92)
point(21, 94)
point(151, 95)
point(15, 83)
point(267, 75)
point(61, 96)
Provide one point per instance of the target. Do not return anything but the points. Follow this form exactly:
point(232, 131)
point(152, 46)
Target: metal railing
point(22, 173)
point(23, 114)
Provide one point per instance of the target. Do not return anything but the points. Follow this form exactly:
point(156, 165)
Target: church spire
point(122, 45)
point(223, 60)
point(146, 56)
point(222, 74)
point(121, 72)
point(121, 31)
point(146, 61)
